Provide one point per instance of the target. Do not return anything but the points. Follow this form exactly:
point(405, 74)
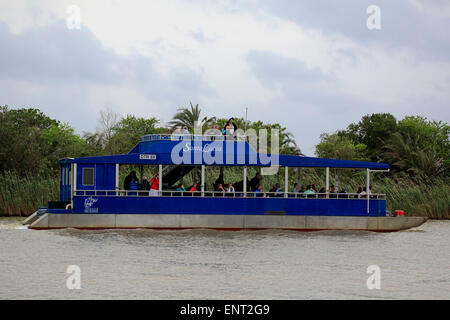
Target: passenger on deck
point(333, 192)
point(358, 192)
point(214, 133)
point(181, 188)
point(255, 181)
point(193, 188)
point(272, 192)
point(230, 128)
point(322, 192)
point(279, 191)
point(145, 185)
point(309, 190)
point(185, 130)
point(185, 134)
point(177, 133)
point(258, 190)
point(295, 189)
point(131, 177)
point(230, 188)
point(342, 193)
point(134, 186)
point(220, 188)
point(363, 194)
point(154, 185)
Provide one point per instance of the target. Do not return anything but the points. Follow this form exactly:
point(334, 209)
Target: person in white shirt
point(230, 188)
point(230, 128)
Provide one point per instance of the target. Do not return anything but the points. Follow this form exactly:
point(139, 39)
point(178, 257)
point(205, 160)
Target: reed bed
point(21, 196)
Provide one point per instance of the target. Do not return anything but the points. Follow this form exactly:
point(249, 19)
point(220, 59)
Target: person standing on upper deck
point(177, 133)
point(214, 132)
point(229, 128)
point(185, 132)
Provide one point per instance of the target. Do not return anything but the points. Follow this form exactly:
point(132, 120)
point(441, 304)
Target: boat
point(91, 196)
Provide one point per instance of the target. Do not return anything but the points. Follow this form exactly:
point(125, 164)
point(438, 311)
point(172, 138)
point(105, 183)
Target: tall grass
point(23, 195)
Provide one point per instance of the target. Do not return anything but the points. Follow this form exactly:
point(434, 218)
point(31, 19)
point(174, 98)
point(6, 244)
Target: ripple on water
point(207, 264)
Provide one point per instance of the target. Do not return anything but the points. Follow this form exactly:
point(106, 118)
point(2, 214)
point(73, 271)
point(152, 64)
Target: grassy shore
point(21, 196)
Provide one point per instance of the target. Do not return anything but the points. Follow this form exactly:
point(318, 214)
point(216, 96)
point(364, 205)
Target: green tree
point(374, 131)
point(60, 141)
point(335, 146)
point(31, 142)
point(127, 132)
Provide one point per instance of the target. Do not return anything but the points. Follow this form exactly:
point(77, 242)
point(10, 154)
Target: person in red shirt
point(193, 188)
point(154, 185)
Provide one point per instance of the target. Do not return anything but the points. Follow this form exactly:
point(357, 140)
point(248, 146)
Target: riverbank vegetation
point(417, 149)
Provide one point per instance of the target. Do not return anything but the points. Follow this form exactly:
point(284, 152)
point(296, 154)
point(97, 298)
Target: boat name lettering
point(206, 148)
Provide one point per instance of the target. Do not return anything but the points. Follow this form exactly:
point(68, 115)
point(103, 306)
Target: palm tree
point(288, 144)
point(405, 153)
point(190, 117)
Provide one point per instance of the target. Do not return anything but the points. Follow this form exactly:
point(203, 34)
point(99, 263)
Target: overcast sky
point(312, 66)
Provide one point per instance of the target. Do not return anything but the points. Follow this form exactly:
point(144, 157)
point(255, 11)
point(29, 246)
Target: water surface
point(202, 264)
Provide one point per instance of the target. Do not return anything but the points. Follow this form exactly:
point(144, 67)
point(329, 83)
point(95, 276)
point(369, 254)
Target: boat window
point(88, 176)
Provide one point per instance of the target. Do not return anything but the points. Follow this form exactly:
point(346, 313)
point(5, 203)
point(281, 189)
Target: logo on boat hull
point(88, 202)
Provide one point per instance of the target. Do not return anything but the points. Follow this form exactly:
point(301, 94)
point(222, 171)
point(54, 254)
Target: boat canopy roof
point(213, 151)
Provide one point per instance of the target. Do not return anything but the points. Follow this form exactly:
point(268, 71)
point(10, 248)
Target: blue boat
point(91, 196)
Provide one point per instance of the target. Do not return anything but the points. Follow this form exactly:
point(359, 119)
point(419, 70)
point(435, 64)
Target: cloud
point(54, 53)
point(271, 68)
point(415, 24)
point(70, 75)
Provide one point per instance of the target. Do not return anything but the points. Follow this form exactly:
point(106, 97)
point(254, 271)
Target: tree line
point(32, 142)
point(416, 148)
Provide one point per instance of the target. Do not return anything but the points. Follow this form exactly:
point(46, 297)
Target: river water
point(202, 264)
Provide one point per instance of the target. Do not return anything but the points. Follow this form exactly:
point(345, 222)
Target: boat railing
point(221, 194)
point(193, 137)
